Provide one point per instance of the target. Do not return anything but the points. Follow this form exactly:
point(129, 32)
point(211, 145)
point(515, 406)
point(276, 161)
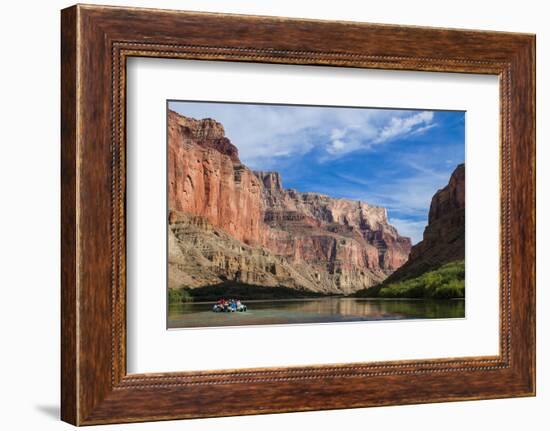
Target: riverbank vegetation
point(232, 289)
point(445, 282)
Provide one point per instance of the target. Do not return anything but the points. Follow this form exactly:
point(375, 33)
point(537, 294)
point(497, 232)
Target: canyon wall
point(444, 236)
point(227, 222)
point(205, 177)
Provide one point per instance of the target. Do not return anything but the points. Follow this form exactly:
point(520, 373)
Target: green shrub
point(179, 295)
point(445, 282)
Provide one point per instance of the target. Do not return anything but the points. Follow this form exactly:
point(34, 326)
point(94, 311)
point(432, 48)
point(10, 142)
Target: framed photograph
point(323, 214)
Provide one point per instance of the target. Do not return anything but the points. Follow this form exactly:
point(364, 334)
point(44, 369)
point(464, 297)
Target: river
point(323, 310)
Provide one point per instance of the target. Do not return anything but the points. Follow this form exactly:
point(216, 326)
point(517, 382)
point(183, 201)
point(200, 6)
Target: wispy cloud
point(399, 126)
point(266, 132)
point(423, 129)
point(378, 129)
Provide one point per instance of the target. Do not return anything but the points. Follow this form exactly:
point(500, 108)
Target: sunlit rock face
point(205, 177)
point(228, 222)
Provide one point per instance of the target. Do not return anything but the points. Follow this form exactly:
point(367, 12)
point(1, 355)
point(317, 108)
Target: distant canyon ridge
point(227, 222)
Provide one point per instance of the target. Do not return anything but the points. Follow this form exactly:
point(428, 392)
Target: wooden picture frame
point(96, 41)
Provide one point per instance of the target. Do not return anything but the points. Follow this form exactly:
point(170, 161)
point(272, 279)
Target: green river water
point(318, 310)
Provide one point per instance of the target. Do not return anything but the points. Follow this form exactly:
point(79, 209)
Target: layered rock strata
point(227, 222)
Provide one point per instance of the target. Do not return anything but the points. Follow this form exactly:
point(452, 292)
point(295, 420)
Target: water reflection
point(190, 315)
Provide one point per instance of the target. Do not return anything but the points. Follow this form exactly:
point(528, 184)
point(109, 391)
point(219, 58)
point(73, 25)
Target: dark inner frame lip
point(306, 105)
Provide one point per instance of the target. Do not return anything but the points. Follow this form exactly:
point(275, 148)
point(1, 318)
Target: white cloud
point(337, 134)
point(379, 128)
point(264, 132)
point(399, 126)
point(423, 129)
point(337, 145)
point(348, 139)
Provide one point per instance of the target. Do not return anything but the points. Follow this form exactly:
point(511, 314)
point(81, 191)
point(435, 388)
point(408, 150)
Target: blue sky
point(394, 158)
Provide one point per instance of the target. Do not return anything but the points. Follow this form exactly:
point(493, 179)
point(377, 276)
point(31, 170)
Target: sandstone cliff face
point(244, 226)
point(444, 236)
point(205, 177)
point(347, 234)
point(201, 254)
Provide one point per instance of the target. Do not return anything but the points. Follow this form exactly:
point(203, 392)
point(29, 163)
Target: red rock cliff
point(366, 226)
point(205, 177)
point(308, 240)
